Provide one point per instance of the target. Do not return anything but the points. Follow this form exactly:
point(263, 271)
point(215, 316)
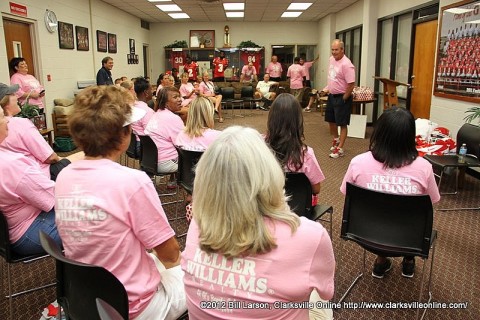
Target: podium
point(390, 98)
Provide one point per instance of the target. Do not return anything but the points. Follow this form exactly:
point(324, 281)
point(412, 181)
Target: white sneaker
point(335, 144)
point(338, 152)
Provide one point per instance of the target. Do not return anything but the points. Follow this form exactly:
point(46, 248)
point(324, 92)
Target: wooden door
point(423, 68)
point(19, 42)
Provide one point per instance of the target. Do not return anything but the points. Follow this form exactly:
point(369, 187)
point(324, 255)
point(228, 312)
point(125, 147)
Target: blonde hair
point(200, 117)
point(238, 185)
point(127, 84)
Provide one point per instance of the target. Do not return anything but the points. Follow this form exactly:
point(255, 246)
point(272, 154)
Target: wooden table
point(47, 134)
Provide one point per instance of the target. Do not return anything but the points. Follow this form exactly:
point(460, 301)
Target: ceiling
point(212, 10)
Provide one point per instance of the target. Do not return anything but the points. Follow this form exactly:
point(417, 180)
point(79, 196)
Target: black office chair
point(468, 134)
point(11, 258)
point(299, 188)
point(246, 94)
point(228, 100)
point(390, 225)
point(132, 152)
point(106, 311)
point(79, 284)
point(187, 160)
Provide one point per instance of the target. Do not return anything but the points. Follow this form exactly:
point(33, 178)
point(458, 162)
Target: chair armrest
point(320, 210)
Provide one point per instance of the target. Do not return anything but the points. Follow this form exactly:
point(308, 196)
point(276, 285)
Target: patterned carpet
point(456, 277)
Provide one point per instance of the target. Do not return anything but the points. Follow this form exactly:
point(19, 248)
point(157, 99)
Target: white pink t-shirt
point(310, 167)
point(185, 90)
point(163, 128)
point(248, 73)
point(207, 88)
point(274, 69)
point(25, 191)
point(108, 215)
point(27, 83)
point(197, 143)
point(307, 65)
point(23, 137)
point(284, 274)
point(296, 73)
point(416, 178)
point(139, 126)
point(264, 87)
point(340, 74)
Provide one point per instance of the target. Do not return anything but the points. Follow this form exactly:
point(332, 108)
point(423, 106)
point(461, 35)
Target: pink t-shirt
point(27, 83)
point(25, 191)
point(139, 126)
point(310, 167)
point(416, 178)
point(197, 143)
point(274, 69)
point(163, 128)
point(207, 88)
point(296, 73)
point(185, 90)
point(108, 215)
point(284, 274)
point(248, 73)
point(23, 137)
point(307, 65)
point(340, 74)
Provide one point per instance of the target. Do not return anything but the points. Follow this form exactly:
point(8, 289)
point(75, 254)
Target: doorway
point(423, 68)
point(18, 41)
point(146, 69)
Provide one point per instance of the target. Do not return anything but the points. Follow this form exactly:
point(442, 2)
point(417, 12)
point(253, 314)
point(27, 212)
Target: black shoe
point(263, 108)
point(408, 268)
point(379, 269)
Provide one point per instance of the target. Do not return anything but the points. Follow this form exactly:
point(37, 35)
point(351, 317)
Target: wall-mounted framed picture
point(101, 41)
point(131, 45)
point(112, 43)
point(457, 74)
point(202, 38)
point(82, 38)
point(65, 35)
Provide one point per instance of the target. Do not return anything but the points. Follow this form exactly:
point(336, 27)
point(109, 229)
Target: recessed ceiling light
point(299, 6)
point(181, 15)
point(234, 6)
point(234, 14)
point(168, 7)
point(291, 14)
point(159, 0)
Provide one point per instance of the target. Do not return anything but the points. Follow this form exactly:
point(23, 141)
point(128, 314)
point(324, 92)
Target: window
point(352, 39)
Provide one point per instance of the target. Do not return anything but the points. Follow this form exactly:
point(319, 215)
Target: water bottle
point(462, 153)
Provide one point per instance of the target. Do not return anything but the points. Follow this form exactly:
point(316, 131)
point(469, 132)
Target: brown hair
point(97, 121)
point(162, 97)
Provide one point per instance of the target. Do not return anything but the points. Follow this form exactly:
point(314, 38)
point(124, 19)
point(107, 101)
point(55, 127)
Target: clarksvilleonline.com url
point(399, 305)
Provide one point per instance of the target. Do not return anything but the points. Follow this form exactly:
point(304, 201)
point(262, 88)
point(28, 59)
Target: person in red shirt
point(190, 67)
point(219, 65)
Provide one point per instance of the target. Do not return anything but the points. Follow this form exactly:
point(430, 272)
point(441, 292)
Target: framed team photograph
point(65, 35)
point(101, 41)
point(82, 38)
point(457, 74)
point(131, 45)
point(202, 38)
point(112, 43)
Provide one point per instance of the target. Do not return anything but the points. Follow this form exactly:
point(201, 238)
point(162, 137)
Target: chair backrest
point(388, 224)
point(187, 160)
point(79, 284)
point(298, 187)
point(227, 93)
point(149, 157)
point(4, 239)
point(470, 135)
point(60, 125)
point(246, 92)
point(106, 311)
point(132, 147)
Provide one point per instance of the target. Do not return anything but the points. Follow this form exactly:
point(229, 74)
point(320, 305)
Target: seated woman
point(392, 165)
point(163, 128)
point(26, 196)
point(24, 137)
point(188, 90)
point(207, 89)
point(116, 210)
point(285, 137)
point(242, 246)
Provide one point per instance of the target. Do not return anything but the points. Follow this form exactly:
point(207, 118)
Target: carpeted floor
point(457, 259)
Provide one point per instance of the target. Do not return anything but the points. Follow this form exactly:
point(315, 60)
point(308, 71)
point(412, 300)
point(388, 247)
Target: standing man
point(219, 65)
point(104, 75)
point(296, 73)
point(274, 69)
point(307, 65)
point(191, 67)
point(341, 80)
point(249, 73)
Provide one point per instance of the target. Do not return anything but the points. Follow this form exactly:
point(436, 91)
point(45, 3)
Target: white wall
point(66, 67)
point(262, 33)
point(350, 16)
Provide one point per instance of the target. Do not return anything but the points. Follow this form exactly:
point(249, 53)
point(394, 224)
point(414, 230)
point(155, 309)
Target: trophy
point(226, 37)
